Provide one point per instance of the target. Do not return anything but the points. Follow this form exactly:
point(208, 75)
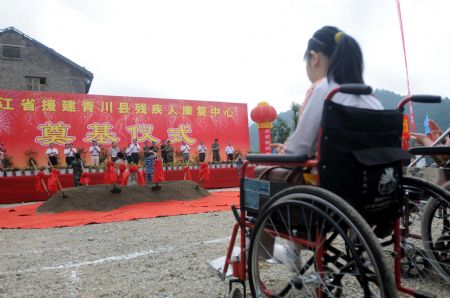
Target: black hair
point(120, 155)
point(343, 51)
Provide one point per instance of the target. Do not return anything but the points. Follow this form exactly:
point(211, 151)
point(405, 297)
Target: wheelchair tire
point(336, 253)
point(435, 228)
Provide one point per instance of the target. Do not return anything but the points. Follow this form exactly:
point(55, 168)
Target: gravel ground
point(160, 257)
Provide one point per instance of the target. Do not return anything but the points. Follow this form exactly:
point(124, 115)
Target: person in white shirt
point(52, 154)
point(94, 150)
point(332, 57)
point(113, 151)
point(185, 149)
point(134, 152)
point(201, 149)
point(229, 150)
point(69, 153)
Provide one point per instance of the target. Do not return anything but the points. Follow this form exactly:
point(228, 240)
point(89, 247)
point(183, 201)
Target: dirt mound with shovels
point(100, 197)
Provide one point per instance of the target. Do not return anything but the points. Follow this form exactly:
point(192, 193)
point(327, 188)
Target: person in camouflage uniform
point(169, 152)
point(77, 170)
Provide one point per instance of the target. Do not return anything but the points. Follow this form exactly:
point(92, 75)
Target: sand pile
point(100, 197)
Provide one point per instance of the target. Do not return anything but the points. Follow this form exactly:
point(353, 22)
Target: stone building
point(27, 64)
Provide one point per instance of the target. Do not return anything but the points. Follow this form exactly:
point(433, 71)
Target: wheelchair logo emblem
point(387, 183)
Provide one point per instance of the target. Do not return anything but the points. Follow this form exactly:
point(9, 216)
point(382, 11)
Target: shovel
point(42, 182)
point(63, 195)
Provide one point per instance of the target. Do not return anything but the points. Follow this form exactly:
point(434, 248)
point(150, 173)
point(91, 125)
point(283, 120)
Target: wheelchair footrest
point(216, 266)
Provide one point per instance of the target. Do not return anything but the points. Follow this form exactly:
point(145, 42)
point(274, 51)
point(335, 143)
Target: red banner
point(30, 121)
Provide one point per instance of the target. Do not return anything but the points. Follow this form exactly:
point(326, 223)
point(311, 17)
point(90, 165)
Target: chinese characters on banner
point(33, 120)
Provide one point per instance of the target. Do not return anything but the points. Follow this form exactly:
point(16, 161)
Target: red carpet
point(25, 217)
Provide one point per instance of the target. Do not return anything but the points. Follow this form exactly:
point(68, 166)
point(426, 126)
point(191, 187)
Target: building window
point(11, 52)
point(36, 83)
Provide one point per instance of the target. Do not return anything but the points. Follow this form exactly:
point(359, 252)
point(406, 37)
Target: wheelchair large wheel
point(309, 242)
point(436, 228)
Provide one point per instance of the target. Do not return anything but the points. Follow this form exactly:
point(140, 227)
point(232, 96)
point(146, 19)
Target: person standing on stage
point(185, 149)
point(52, 154)
point(94, 150)
point(216, 150)
point(150, 153)
point(169, 152)
point(128, 153)
point(69, 153)
point(113, 151)
point(2, 157)
point(134, 150)
point(201, 149)
point(163, 151)
point(229, 150)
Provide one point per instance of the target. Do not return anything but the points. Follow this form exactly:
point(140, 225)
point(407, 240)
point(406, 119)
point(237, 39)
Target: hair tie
point(338, 36)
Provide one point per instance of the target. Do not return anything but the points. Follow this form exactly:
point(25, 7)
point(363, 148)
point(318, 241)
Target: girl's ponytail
point(346, 60)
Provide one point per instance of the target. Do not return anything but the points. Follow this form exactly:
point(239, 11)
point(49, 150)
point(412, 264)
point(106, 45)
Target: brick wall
point(37, 62)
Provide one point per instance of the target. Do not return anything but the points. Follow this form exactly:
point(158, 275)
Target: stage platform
point(23, 188)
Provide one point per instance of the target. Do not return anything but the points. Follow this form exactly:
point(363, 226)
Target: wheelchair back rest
point(361, 158)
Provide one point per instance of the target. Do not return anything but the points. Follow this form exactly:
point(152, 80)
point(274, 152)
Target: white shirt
point(185, 148)
point(201, 148)
point(304, 138)
point(135, 148)
point(114, 151)
point(94, 150)
point(229, 150)
point(51, 151)
point(70, 152)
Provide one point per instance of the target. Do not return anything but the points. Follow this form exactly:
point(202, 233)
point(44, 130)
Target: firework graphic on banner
point(5, 123)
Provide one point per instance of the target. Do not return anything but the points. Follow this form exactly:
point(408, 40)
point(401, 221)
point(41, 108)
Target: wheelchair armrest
point(437, 150)
point(281, 158)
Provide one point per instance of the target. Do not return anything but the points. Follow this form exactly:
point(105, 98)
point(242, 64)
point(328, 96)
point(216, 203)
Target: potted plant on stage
point(86, 169)
point(44, 170)
point(62, 170)
point(94, 169)
point(27, 171)
point(17, 171)
point(9, 172)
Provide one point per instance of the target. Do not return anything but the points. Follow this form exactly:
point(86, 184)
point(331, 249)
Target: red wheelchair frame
point(242, 224)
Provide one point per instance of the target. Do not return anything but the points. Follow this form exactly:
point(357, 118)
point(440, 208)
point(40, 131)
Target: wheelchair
point(428, 204)
point(324, 240)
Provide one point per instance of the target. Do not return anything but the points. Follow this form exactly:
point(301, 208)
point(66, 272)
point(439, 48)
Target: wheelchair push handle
point(356, 89)
point(420, 99)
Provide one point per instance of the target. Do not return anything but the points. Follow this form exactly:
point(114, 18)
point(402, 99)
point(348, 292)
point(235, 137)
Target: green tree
point(295, 107)
point(280, 131)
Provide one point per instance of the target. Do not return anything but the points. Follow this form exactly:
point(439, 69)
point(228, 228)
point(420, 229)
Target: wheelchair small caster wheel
point(415, 264)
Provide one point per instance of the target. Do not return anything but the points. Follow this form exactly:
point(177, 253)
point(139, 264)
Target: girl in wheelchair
point(332, 57)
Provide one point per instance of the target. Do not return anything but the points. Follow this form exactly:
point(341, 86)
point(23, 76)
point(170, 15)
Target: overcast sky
point(234, 51)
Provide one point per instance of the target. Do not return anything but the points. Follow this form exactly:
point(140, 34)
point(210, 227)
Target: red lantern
point(264, 115)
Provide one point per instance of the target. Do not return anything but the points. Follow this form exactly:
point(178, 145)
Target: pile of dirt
point(100, 197)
